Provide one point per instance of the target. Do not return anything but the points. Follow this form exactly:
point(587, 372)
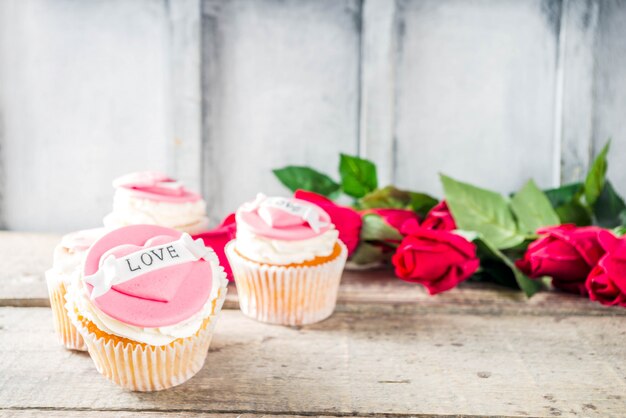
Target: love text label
point(114, 270)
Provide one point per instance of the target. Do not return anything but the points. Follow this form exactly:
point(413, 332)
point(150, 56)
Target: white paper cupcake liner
point(143, 367)
point(68, 335)
point(282, 295)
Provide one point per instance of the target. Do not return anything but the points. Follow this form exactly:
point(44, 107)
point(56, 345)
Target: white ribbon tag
point(172, 185)
point(306, 212)
point(114, 271)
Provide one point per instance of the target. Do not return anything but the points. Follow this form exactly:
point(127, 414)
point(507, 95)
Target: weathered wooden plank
point(475, 92)
point(27, 256)
point(185, 162)
point(86, 97)
point(62, 413)
point(575, 97)
point(610, 88)
point(281, 88)
point(350, 364)
point(378, 64)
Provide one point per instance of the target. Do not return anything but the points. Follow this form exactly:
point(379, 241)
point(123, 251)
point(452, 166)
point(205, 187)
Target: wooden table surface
point(389, 349)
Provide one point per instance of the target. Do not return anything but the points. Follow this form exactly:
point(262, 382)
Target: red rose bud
point(439, 260)
point(439, 218)
point(607, 281)
point(218, 238)
point(565, 253)
point(395, 218)
point(346, 220)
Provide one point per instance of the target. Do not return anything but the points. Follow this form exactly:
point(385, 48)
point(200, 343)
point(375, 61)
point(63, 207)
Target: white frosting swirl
point(70, 253)
point(77, 295)
point(129, 209)
point(280, 252)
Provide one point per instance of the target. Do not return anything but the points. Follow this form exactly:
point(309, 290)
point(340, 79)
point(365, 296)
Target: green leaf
point(528, 286)
point(386, 198)
point(533, 209)
point(489, 252)
point(367, 254)
point(564, 194)
point(567, 202)
point(391, 197)
point(574, 213)
point(358, 176)
point(609, 207)
point(620, 231)
point(495, 271)
point(483, 211)
point(422, 203)
point(468, 235)
point(594, 183)
point(306, 178)
point(376, 229)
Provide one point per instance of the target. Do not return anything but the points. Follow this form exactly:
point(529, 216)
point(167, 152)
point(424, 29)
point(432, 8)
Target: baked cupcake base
point(287, 295)
point(142, 367)
point(68, 335)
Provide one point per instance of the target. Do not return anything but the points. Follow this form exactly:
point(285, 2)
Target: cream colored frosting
point(279, 252)
point(132, 210)
point(77, 295)
point(68, 256)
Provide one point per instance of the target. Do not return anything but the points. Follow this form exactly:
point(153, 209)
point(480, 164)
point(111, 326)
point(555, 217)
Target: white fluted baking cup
point(286, 295)
point(146, 368)
point(67, 333)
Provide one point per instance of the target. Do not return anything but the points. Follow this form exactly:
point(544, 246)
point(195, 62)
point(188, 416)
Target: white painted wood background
point(217, 93)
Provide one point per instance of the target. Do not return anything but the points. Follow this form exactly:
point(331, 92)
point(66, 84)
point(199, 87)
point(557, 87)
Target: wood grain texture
point(378, 86)
point(62, 413)
point(219, 93)
point(475, 88)
point(427, 363)
point(185, 84)
point(610, 88)
point(282, 79)
point(25, 258)
point(577, 38)
point(87, 96)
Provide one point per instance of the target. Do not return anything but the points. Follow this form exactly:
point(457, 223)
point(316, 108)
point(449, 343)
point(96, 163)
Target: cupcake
point(287, 261)
point(68, 257)
point(152, 198)
point(146, 303)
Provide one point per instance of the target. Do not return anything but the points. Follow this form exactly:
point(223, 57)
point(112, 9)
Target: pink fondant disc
point(158, 298)
point(153, 185)
point(274, 223)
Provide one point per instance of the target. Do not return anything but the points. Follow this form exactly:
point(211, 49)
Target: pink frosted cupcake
point(68, 257)
point(152, 198)
point(146, 304)
point(287, 261)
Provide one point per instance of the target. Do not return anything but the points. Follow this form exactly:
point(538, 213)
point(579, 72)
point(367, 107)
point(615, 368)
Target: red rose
point(439, 218)
point(218, 238)
point(439, 260)
point(565, 253)
point(395, 218)
point(607, 281)
point(346, 220)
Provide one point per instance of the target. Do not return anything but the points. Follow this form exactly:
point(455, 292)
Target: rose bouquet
point(569, 237)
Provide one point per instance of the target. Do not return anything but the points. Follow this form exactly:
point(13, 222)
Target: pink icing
point(156, 186)
point(276, 223)
point(81, 240)
point(154, 299)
